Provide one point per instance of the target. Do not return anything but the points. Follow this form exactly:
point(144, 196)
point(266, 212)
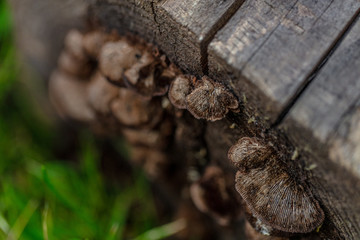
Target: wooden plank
point(268, 49)
point(187, 26)
point(333, 91)
point(135, 16)
point(345, 144)
point(325, 123)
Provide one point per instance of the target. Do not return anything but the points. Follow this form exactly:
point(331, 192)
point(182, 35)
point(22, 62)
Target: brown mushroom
point(74, 44)
point(78, 67)
point(212, 195)
point(101, 93)
point(93, 42)
point(274, 197)
point(69, 96)
point(179, 89)
point(210, 100)
point(149, 76)
point(132, 110)
point(115, 57)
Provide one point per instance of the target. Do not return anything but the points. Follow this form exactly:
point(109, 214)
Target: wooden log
point(269, 50)
point(186, 28)
point(136, 16)
point(325, 122)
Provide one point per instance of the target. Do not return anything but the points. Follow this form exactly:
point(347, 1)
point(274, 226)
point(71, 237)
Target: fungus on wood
point(274, 197)
point(210, 100)
point(213, 195)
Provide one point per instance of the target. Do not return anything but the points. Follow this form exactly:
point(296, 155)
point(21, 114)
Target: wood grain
point(331, 95)
point(187, 26)
point(271, 48)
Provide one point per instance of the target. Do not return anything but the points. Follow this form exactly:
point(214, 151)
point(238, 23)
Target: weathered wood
point(265, 53)
point(345, 144)
point(331, 94)
point(186, 27)
point(136, 16)
point(271, 49)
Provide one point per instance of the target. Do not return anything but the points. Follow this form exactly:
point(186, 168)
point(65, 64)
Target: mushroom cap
point(115, 57)
point(212, 195)
point(273, 196)
point(250, 150)
point(132, 110)
point(149, 76)
point(179, 89)
point(74, 66)
point(101, 93)
point(210, 100)
point(74, 45)
point(93, 42)
point(69, 96)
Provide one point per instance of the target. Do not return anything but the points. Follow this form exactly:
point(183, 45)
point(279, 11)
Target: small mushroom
point(115, 57)
point(210, 100)
point(101, 93)
point(251, 150)
point(179, 89)
point(78, 67)
point(132, 110)
point(69, 96)
point(74, 44)
point(149, 76)
point(93, 42)
point(212, 195)
point(274, 197)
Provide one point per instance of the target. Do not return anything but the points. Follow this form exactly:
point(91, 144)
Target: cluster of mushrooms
point(123, 86)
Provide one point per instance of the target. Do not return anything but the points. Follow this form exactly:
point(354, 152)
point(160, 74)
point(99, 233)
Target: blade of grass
point(163, 231)
point(44, 221)
point(4, 225)
point(20, 224)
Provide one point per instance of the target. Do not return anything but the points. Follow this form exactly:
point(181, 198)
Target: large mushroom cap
point(271, 193)
point(210, 100)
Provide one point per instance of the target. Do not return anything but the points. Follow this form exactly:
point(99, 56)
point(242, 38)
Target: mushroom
point(210, 100)
point(69, 96)
point(101, 93)
point(155, 138)
point(149, 76)
point(274, 197)
point(74, 44)
point(212, 195)
point(93, 42)
point(74, 66)
point(115, 57)
point(179, 89)
point(132, 110)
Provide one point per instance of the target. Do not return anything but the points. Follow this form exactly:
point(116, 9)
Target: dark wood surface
point(294, 64)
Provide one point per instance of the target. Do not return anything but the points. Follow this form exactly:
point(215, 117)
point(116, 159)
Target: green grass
point(43, 197)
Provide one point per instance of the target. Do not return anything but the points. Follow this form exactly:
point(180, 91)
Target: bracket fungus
point(212, 195)
point(116, 56)
point(179, 89)
point(134, 111)
point(210, 100)
point(69, 96)
point(273, 196)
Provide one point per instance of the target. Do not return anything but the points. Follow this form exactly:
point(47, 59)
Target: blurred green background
point(48, 194)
